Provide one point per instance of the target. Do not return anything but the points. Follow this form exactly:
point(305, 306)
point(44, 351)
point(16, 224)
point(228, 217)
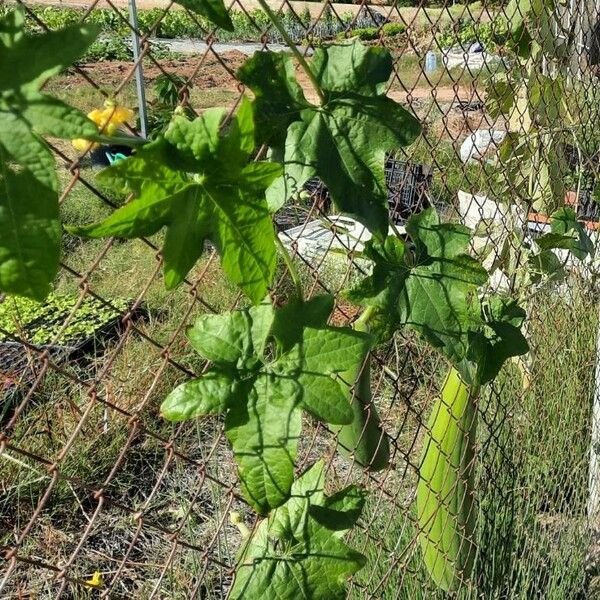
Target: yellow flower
point(96, 581)
point(108, 122)
point(82, 145)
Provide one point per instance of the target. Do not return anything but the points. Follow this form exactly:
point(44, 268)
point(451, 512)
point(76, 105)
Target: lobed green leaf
point(297, 552)
point(344, 140)
point(222, 202)
point(268, 376)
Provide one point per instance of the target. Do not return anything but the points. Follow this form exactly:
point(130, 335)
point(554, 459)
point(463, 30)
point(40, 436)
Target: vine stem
point(291, 267)
point(292, 46)
point(126, 140)
point(362, 323)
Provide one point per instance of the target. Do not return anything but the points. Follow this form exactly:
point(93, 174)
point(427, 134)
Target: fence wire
point(95, 484)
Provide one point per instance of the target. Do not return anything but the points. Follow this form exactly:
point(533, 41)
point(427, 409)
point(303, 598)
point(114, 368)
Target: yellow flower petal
point(122, 114)
point(108, 119)
point(96, 116)
point(96, 580)
point(82, 145)
point(110, 129)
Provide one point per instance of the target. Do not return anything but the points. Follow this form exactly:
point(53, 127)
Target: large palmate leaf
point(440, 296)
point(298, 551)
point(431, 286)
point(343, 140)
point(29, 245)
point(263, 377)
point(199, 185)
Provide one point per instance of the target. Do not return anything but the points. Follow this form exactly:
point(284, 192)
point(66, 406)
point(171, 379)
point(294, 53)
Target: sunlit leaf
point(263, 382)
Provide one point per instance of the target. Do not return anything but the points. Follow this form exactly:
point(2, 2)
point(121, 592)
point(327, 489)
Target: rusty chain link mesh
point(94, 481)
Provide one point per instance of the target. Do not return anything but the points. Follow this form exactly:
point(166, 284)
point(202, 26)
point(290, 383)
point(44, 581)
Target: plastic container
point(430, 62)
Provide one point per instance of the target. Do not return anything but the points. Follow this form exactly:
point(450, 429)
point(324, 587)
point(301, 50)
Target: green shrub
point(463, 33)
point(178, 24)
point(373, 33)
point(107, 49)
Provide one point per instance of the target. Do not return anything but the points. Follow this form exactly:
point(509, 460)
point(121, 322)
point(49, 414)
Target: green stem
point(362, 323)
point(291, 267)
point(125, 140)
point(363, 440)
point(292, 46)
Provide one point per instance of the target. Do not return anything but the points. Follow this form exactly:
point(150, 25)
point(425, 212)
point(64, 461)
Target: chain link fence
point(101, 497)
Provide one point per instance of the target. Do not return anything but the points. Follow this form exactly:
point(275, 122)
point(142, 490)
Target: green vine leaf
point(214, 10)
point(431, 285)
point(499, 338)
point(263, 382)
point(29, 226)
point(198, 184)
point(568, 233)
point(29, 233)
point(344, 140)
point(298, 551)
point(440, 298)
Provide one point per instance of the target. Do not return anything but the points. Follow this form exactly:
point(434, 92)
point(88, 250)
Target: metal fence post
point(139, 71)
point(593, 507)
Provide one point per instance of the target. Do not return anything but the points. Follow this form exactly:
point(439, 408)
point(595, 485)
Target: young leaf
point(566, 233)
point(263, 386)
point(29, 234)
point(564, 222)
point(199, 185)
point(345, 139)
point(297, 552)
point(499, 339)
point(382, 289)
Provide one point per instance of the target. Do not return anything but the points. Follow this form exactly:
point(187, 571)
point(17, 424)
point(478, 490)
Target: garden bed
point(27, 328)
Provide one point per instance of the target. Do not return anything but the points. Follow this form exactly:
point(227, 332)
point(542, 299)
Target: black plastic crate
point(587, 207)
point(407, 187)
point(19, 366)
